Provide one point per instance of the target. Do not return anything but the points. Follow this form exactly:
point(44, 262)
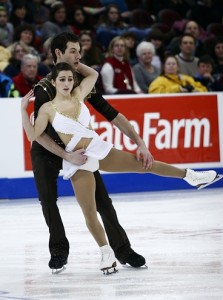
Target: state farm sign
point(176, 129)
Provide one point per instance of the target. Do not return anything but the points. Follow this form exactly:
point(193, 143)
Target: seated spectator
point(157, 38)
point(171, 81)
point(46, 57)
point(79, 20)
point(140, 23)
point(198, 33)
point(57, 21)
point(6, 28)
point(116, 74)
point(217, 54)
point(28, 75)
point(26, 34)
point(19, 14)
point(131, 43)
point(91, 54)
point(18, 50)
point(121, 5)
point(4, 57)
point(109, 26)
point(205, 12)
point(7, 87)
point(205, 74)
point(39, 12)
point(144, 71)
point(186, 59)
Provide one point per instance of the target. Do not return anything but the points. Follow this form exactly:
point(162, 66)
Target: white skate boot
point(201, 179)
point(108, 260)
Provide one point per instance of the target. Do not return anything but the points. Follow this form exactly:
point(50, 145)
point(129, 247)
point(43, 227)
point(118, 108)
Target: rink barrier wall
point(184, 130)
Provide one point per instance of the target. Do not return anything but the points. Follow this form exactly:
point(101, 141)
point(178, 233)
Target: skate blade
point(218, 177)
point(58, 271)
point(108, 271)
point(135, 268)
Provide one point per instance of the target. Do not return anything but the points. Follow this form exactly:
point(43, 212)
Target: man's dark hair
point(60, 42)
point(187, 34)
point(206, 59)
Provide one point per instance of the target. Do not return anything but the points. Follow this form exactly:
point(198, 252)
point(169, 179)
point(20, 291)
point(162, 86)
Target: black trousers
point(46, 168)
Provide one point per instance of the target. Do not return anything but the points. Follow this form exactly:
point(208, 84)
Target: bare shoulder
point(46, 108)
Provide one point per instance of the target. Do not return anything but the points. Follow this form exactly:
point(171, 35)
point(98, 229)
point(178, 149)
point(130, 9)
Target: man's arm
point(142, 152)
point(119, 120)
point(77, 157)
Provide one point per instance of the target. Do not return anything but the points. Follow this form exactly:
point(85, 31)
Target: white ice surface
point(180, 233)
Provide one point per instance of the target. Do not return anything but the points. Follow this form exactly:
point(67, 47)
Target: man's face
point(187, 45)
point(192, 28)
point(71, 55)
point(3, 18)
point(30, 69)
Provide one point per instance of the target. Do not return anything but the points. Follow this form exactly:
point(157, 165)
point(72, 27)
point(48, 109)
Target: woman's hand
point(25, 100)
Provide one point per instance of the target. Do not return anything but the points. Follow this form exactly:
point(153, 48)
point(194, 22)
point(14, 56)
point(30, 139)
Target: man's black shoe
point(134, 259)
point(57, 261)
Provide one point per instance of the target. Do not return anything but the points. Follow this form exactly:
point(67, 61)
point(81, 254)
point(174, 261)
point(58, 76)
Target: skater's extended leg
point(120, 161)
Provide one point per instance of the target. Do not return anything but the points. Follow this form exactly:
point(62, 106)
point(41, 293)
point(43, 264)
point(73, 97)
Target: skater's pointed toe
point(200, 178)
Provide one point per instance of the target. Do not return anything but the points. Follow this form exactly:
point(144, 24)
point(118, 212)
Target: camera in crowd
point(189, 88)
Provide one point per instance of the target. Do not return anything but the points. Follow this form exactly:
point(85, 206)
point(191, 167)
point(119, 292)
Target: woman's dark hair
point(61, 67)
point(60, 42)
point(54, 8)
point(21, 28)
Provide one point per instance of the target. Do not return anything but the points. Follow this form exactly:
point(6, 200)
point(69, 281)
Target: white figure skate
point(108, 260)
point(201, 179)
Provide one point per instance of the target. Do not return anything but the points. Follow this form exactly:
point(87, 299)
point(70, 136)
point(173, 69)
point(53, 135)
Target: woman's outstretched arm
point(33, 131)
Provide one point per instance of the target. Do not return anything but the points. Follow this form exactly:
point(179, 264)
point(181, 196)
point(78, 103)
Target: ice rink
point(180, 233)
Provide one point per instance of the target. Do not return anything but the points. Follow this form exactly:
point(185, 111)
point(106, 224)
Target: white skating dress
point(79, 127)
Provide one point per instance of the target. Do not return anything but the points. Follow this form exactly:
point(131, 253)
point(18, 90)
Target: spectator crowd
point(147, 46)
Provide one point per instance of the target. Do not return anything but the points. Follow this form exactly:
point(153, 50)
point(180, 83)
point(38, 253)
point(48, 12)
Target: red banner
point(180, 129)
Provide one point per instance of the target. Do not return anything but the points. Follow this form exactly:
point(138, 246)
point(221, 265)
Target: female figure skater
point(70, 118)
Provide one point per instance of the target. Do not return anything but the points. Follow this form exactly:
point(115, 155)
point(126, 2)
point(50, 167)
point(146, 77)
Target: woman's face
point(119, 48)
point(26, 36)
point(146, 56)
point(86, 42)
point(20, 12)
point(79, 16)
point(219, 50)
point(64, 82)
point(60, 15)
point(19, 52)
point(171, 66)
point(113, 15)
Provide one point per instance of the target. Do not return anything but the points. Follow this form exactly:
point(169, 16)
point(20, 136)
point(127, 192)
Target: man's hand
point(143, 153)
point(76, 157)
